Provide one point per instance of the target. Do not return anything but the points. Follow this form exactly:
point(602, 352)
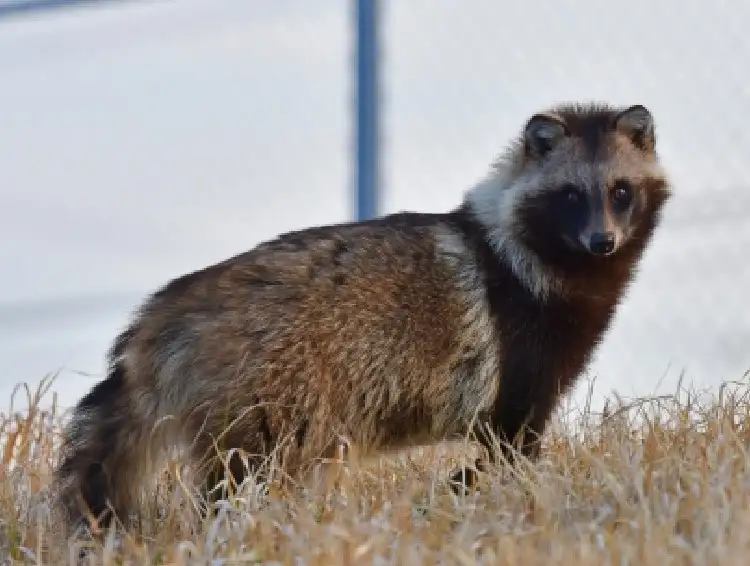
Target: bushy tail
point(105, 454)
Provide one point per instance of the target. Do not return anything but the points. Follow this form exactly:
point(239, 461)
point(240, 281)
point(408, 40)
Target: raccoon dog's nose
point(602, 243)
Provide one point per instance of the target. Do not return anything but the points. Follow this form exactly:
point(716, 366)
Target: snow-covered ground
point(143, 140)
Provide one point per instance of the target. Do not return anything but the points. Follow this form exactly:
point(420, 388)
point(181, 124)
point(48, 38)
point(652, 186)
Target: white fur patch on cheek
point(485, 198)
point(495, 203)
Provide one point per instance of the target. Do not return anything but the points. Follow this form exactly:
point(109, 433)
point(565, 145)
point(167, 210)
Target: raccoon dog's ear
point(637, 124)
point(542, 133)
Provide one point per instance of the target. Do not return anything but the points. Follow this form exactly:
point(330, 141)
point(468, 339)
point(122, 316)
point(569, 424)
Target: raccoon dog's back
point(363, 331)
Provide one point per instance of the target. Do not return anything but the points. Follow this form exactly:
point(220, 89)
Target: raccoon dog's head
point(580, 186)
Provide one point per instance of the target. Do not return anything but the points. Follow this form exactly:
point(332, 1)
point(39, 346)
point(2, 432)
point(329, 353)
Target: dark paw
point(463, 480)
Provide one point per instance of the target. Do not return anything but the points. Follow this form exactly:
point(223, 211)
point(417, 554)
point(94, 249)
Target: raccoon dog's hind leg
point(229, 446)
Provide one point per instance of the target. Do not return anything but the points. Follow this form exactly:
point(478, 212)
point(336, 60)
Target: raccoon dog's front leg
point(510, 432)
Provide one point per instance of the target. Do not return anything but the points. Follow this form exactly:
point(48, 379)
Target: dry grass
point(659, 481)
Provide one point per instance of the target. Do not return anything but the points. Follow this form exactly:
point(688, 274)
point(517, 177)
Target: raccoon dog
point(405, 329)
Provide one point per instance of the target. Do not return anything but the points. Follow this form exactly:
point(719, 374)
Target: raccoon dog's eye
point(570, 193)
point(622, 193)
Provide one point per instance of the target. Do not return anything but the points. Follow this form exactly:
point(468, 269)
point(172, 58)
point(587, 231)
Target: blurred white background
point(142, 140)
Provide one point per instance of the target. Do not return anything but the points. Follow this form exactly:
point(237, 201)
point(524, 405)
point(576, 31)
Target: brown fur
point(389, 333)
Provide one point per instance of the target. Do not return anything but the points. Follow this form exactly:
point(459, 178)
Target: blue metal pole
point(366, 109)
